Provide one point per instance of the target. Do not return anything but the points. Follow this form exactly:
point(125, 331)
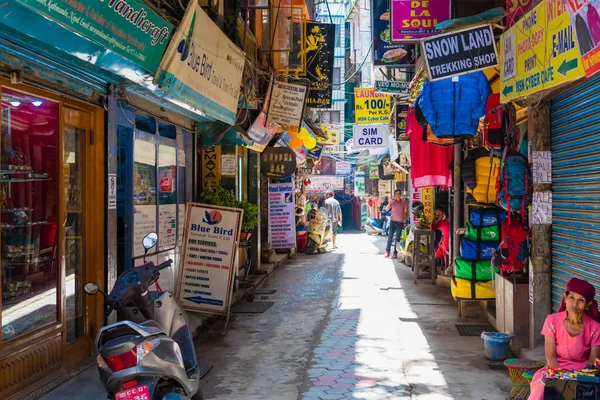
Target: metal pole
point(457, 203)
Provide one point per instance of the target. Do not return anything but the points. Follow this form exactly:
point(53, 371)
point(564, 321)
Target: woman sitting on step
point(572, 335)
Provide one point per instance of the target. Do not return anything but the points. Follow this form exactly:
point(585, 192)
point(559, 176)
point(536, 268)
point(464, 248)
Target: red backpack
point(513, 253)
point(493, 124)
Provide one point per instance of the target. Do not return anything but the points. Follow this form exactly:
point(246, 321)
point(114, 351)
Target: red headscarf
point(586, 290)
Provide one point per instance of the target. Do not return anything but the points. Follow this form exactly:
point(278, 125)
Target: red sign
point(516, 8)
point(136, 393)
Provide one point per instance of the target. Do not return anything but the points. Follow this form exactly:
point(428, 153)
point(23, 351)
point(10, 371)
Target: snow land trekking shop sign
point(460, 52)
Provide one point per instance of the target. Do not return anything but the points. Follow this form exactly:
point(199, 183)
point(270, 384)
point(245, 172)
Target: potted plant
point(249, 220)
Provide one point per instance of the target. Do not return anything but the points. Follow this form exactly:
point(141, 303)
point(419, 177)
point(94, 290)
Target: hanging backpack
point(493, 124)
point(513, 253)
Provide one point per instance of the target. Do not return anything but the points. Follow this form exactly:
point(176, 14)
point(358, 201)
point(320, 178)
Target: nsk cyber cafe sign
point(370, 136)
point(460, 52)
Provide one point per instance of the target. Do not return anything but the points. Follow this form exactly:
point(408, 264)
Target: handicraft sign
point(460, 52)
point(539, 52)
point(278, 162)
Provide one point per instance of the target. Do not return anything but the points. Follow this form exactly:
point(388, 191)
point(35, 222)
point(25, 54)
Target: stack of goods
point(473, 270)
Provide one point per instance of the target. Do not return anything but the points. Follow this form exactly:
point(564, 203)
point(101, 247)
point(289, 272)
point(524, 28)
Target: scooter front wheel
point(310, 248)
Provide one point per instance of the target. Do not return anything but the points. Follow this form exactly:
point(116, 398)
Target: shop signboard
point(460, 52)
point(542, 167)
point(278, 162)
point(333, 133)
point(319, 50)
point(544, 30)
point(286, 104)
point(315, 152)
point(516, 8)
point(384, 52)
point(261, 132)
point(349, 185)
point(391, 87)
point(343, 168)
point(542, 208)
point(585, 21)
point(400, 114)
point(412, 20)
point(370, 136)
point(428, 202)
point(211, 168)
point(228, 164)
point(323, 183)
point(282, 223)
point(202, 67)
point(359, 184)
point(371, 107)
point(373, 169)
point(208, 261)
point(128, 28)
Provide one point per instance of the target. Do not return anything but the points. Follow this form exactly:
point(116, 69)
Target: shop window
point(167, 130)
point(29, 213)
point(145, 123)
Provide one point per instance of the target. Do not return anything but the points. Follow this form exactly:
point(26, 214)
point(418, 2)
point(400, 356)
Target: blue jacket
point(453, 109)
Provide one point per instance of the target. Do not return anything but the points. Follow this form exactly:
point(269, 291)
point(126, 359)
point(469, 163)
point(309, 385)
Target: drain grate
point(497, 366)
point(473, 330)
point(265, 291)
point(255, 307)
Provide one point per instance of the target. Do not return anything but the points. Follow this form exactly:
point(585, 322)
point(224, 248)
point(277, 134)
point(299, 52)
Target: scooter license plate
point(136, 393)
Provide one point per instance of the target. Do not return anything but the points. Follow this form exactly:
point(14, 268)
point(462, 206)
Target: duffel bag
point(471, 250)
point(474, 270)
point(482, 234)
point(464, 289)
point(486, 216)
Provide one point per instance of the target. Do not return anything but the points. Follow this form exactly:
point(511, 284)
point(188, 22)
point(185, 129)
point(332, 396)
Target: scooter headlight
point(146, 347)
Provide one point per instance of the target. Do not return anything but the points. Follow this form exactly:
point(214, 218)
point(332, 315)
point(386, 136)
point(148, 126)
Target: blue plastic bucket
point(496, 345)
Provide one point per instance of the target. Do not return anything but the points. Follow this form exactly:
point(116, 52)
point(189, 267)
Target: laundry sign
point(202, 66)
point(370, 136)
point(460, 52)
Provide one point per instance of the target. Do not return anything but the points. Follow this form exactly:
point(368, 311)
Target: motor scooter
point(405, 245)
point(373, 225)
point(149, 353)
point(319, 232)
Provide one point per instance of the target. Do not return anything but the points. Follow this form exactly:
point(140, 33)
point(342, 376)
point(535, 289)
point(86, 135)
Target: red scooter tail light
point(122, 361)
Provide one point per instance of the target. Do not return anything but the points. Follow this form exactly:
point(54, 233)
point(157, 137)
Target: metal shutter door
point(575, 126)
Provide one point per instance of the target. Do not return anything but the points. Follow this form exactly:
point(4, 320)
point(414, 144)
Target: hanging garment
point(480, 172)
point(453, 106)
point(431, 165)
point(593, 20)
point(586, 43)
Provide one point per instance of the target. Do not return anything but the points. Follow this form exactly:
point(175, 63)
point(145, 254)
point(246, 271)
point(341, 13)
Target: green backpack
point(474, 270)
point(488, 233)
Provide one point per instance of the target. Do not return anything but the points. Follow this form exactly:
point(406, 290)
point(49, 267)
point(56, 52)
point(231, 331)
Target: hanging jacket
point(593, 20)
point(479, 173)
point(586, 43)
point(454, 108)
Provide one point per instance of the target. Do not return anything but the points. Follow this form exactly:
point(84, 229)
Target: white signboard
point(370, 136)
point(542, 167)
point(282, 224)
point(343, 168)
point(287, 104)
point(202, 67)
point(542, 208)
point(112, 191)
point(509, 64)
point(359, 184)
point(228, 164)
point(323, 183)
point(208, 260)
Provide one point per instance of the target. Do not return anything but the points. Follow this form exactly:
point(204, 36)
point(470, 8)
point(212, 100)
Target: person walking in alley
point(399, 207)
point(572, 335)
point(334, 213)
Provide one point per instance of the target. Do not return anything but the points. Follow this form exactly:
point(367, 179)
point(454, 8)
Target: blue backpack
point(514, 186)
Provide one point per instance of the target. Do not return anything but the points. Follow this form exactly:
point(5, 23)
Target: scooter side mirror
point(91, 288)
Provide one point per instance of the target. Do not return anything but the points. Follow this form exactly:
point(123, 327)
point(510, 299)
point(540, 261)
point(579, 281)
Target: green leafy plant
point(250, 219)
point(222, 197)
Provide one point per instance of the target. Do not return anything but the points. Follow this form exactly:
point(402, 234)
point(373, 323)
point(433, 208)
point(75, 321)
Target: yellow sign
point(371, 107)
point(211, 167)
point(539, 52)
point(428, 202)
point(333, 133)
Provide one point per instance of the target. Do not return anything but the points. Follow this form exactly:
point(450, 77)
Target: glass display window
point(29, 193)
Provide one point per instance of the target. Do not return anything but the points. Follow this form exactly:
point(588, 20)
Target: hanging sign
point(371, 107)
point(278, 162)
point(416, 19)
point(460, 52)
point(211, 171)
point(333, 133)
point(286, 105)
point(261, 132)
point(539, 52)
point(208, 259)
point(384, 52)
point(343, 168)
point(315, 152)
point(228, 164)
point(359, 184)
point(202, 66)
point(282, 222)
point(370, 136)
point(516, 8)
point(391, 87)
point(585, 21)
point(323, 183)
point(319, 50)
point(127, 27)
point(542, 167)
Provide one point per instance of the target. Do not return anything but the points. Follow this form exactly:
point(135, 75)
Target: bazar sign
point(370, 136)
point(371, 107)
point(202, 66)
point(391, 87)
point(544, 30)
point(323, 183)
point(416, 19)
point(585, 20)
point(460, 52)
point(128, 28)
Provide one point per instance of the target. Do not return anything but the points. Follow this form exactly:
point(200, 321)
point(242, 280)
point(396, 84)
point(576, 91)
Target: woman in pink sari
point(572, 335)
